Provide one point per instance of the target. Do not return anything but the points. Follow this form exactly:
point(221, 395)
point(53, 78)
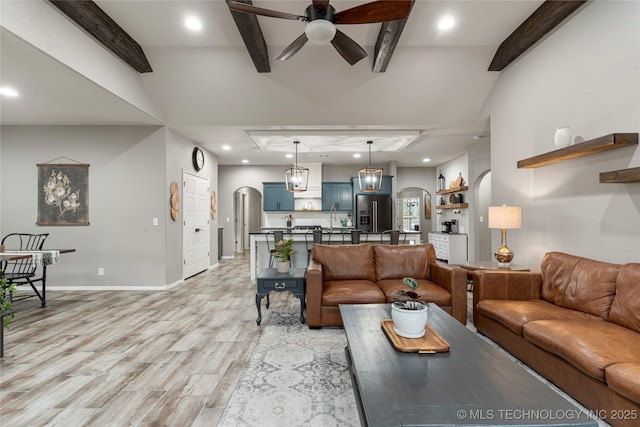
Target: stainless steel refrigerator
point(373, 213)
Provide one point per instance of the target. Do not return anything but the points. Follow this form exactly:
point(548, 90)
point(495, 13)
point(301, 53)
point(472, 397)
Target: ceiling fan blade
point(350, 50)
point(293, 48)
point(251, 9)
point(377, 11)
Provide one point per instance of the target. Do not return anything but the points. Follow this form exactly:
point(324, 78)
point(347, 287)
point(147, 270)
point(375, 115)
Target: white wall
point(586, 76)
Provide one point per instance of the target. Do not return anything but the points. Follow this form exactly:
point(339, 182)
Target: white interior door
point(195, 232)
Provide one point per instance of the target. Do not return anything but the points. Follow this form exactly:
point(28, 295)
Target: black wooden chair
point(24, 271)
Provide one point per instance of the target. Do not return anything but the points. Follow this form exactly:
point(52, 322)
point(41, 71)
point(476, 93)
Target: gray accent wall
point(130, 170)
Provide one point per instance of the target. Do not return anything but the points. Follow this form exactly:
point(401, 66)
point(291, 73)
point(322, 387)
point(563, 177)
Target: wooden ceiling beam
point(549, 15)
point(388, 37)
point(251, 33)
point(96, 22)
point(386, 44)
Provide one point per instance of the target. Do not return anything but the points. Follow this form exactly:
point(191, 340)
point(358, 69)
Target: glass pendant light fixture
point(370, 177)
point(296, 177)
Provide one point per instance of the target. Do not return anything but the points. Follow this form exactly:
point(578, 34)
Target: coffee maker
point(447, 227)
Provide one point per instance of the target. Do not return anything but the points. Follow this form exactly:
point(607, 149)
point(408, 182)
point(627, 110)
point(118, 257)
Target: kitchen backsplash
point(279, 219)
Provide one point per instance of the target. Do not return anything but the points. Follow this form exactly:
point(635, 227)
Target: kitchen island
point(259, 254)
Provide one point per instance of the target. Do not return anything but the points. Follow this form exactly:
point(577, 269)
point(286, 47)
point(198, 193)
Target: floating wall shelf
point(593, 146)
point(454, 206)
point(620, 176)
point(452, 190)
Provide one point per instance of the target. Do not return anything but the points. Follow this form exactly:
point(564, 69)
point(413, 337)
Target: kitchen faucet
point(331, 214)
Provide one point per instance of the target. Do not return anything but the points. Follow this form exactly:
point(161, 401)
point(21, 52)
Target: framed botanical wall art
point(63, 194)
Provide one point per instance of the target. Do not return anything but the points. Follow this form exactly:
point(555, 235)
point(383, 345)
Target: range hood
point(314, 185)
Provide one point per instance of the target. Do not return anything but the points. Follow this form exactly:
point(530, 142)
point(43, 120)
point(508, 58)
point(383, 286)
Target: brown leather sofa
point(371, 274)
point(576, 322)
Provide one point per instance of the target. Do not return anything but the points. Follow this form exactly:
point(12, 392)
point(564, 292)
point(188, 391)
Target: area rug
point(295, 377)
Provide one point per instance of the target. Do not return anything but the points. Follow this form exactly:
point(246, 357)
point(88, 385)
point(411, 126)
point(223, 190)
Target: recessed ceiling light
point(357, 155)
point(193, 23)
point(289, 156)
point(226, 147)
point(7, 91)
point(244, 161)
point(426, 159)
point(446, 22)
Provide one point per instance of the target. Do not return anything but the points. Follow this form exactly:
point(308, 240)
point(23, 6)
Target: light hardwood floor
point(117, 358)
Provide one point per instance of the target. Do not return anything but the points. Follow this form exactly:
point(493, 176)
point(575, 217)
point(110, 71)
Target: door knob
point(197, 230)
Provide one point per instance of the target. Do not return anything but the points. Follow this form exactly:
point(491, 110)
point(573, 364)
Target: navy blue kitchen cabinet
point(275, 197)
point(338, 194)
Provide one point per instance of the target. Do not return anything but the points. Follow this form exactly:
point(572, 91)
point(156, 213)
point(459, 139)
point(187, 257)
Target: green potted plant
point(283, 255)
point(6, 304)
point(409, 314)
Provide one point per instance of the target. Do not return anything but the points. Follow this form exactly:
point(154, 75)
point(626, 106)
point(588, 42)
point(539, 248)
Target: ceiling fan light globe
point(320, 31)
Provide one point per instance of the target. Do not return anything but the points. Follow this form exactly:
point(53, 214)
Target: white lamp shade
point(320, 31)
point(505, 217)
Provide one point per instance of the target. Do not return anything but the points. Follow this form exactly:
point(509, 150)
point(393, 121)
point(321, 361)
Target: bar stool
point(394, 236)
point(311, 238)
point(277, 236)
point(355, 236)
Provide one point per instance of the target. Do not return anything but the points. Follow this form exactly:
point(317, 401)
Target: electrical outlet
point(100, 271)
point(155, 221)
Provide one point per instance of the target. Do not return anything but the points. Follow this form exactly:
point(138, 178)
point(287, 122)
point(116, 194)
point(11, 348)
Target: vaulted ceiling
point(208, 87)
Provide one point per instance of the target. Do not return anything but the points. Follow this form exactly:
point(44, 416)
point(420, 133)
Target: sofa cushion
point(579, 283)
point(344, 262)
point(351, 292)
point(399, 261)
point(624, 378)
point(589, 345)
point(625, 309)
point(515, 314)
point(427, 290)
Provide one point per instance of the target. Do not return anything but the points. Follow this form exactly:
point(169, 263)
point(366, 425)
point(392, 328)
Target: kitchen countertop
point(336, 230)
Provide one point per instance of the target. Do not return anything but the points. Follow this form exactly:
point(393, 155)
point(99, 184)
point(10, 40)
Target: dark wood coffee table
point(471, 384)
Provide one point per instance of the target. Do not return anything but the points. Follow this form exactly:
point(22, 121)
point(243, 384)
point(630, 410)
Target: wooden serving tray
point(431, 342)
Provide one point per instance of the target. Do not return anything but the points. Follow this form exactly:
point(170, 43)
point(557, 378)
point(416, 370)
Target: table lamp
point(504, 217)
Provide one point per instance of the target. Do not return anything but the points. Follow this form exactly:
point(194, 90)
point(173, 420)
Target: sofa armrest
point(453, 279)
point(504, 285)
point(314, 294)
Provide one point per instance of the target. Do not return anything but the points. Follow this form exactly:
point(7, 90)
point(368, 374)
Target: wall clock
point(198, 159)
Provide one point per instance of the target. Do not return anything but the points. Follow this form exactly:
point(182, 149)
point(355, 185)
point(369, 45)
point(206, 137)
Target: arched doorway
point(413, 211)
point(247, 218)
point(482, 196)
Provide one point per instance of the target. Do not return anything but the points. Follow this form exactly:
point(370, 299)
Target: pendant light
point(296, 177)
point(369, 177)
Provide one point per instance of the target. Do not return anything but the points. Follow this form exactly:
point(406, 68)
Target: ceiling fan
point(321, 19)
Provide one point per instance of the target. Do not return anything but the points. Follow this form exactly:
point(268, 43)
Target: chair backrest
point(355, 237)
point(25, 242)
point(312, 237)
point(272, 237)
point(394, 236)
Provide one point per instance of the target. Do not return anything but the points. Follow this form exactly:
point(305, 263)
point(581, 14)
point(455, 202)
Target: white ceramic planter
point(282, 266)
point(409, 323)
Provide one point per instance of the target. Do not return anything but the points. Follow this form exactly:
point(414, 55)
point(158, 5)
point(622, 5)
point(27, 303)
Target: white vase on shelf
point(562, 137)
